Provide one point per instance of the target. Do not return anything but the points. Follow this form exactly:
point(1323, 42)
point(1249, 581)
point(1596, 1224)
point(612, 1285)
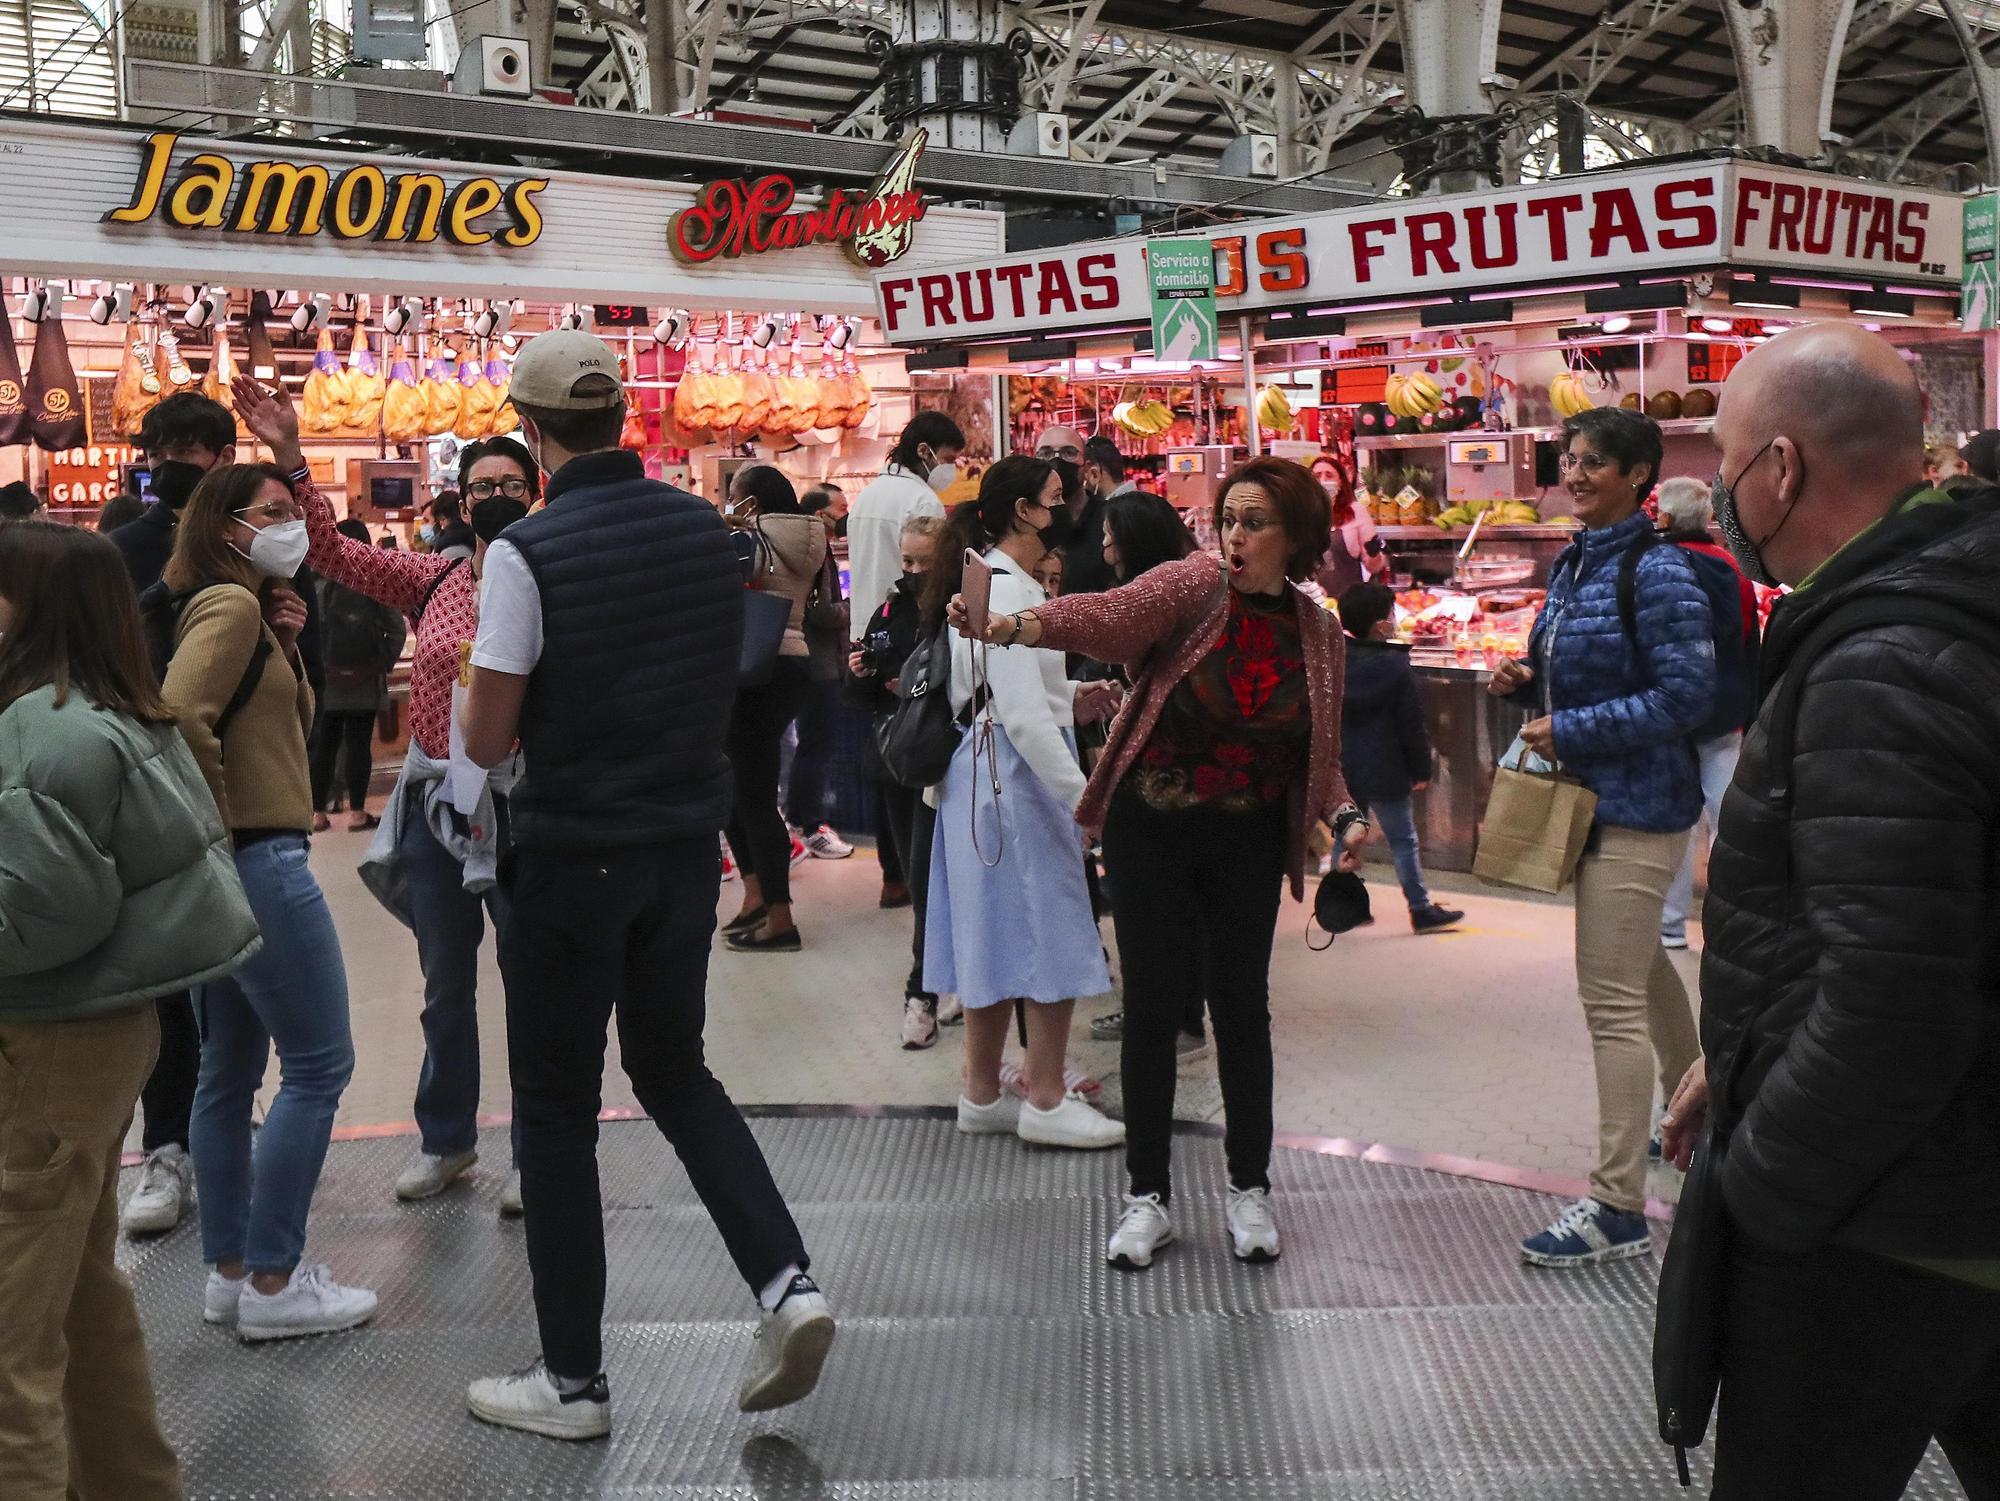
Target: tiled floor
point(1466, 1045)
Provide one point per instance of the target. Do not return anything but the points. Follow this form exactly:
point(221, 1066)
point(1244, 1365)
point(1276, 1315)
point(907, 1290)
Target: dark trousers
point(891, 824)
point(168, 1097)
point(913, 823)
point(1194, 899)
point(812, 764)
point(627, 931)
point(345, 738)
point(1839, 1368)
point(757, 834)
point(450, 925)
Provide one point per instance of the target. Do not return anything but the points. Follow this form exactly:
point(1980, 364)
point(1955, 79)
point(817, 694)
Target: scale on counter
point(1489, 466)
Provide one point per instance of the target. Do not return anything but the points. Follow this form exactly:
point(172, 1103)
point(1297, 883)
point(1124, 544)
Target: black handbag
point(766, 616)
point(917, 738)
point(1688, 1321)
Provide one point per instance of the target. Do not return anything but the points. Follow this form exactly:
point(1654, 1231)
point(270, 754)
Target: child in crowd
point(1384, 749)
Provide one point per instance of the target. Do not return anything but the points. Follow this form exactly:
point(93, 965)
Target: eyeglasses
point(1254, 522)
point(486, 489)
point(1589, 463)
point(272, 513)
point(1069, 452)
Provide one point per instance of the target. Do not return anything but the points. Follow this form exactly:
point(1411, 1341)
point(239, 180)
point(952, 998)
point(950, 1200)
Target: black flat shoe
point(749, 943)
point(749, 922)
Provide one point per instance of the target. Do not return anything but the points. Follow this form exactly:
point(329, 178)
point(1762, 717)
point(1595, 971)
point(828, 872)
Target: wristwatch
point(1346, 819)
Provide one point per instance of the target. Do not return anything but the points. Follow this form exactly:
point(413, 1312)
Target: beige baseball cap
point(548, 368)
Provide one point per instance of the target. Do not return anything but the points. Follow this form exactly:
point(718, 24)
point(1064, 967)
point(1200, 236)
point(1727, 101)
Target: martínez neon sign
point(734, 217)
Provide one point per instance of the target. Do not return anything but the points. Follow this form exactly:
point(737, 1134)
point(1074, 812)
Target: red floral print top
point(400, 580)
point(1237, 729)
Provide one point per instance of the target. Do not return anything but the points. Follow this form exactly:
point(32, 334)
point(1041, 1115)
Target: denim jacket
point(1625, 711)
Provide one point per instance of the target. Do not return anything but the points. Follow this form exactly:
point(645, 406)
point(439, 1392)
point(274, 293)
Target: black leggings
point(912, 825)
point(168, 1098)
point(350, 735)
point(757, 834)
point(1194, 901)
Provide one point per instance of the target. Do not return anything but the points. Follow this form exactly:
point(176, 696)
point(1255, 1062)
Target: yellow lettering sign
point(257, 214)
point(406, 189)
point(200, 200)
point(474, 200)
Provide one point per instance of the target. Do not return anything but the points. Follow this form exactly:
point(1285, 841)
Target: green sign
point(1181, 274)
point(1979, 284)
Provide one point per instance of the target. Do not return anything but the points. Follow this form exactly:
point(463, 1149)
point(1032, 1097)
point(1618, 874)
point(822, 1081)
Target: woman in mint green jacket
point(117, 884)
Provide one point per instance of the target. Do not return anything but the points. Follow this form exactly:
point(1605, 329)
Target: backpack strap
point(1628, 583)
point(253, 674)
point(1781, 730)
point(430, 593)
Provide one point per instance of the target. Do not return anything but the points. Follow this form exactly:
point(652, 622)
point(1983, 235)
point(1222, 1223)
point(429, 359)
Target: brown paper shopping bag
point(1537, 823)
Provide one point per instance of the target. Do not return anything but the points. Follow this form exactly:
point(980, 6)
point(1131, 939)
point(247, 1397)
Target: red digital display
point(621, 315)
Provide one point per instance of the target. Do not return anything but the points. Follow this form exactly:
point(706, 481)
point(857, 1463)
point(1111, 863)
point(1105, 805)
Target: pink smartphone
point(977, 591)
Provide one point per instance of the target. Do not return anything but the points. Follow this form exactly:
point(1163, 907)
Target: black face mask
point(1057, 533)
point(493, 515)
point(174, 481)
point(1072, 477)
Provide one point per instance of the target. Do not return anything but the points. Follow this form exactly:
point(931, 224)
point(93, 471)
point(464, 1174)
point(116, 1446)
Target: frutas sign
point(205, 191)
point(735, 218)
point(1588, 226)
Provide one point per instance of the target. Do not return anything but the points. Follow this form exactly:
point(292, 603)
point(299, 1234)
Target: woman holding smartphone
point(1009, 915)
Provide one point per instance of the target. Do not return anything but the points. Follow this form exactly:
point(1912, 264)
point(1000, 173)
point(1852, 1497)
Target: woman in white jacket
point(1009, 917)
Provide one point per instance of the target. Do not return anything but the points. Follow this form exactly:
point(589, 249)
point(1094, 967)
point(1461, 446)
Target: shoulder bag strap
point(431, 592)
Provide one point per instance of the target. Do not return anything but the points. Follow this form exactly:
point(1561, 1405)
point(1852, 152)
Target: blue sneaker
point(1588, 1232)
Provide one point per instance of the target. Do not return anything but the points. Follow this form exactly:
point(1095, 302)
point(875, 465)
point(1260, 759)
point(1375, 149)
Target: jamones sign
point(1587, 227)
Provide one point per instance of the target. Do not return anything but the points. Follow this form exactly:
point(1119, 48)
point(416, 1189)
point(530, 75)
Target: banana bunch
point(1274, 412)
point(1148, 419)
point(1567, 395)
point(1498, 512)
point(1413, 395)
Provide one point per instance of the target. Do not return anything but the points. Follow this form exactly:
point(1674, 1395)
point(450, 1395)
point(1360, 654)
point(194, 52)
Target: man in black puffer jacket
point(1851, 984)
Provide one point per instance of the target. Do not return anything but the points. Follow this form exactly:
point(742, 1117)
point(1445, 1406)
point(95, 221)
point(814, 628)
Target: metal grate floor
point(1398, 1352)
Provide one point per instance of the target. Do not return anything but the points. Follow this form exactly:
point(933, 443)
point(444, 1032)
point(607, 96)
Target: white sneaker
point(531, 1401)
point(788, 1350)
point(920, 1024)
point(164, 1196)
point(1001, 1118)
point(1253, 1234)
point(823, 844)
point(510, 1197)
point(1143, 1230)
point(1073, 1123)
point(951, 1011)
point(220, 1298)
point(311, 1303)
point(428, 1176)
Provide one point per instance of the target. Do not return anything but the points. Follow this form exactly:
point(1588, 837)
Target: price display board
point(1352, 385)
point(621, 315)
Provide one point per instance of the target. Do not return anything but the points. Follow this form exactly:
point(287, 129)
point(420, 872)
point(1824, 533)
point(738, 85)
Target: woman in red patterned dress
point(432, 866)
point(1226, 753)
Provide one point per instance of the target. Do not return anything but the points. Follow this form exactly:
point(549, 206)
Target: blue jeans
point(450, 925)
point(1718, 770)
point(1392, 816)
point(292, 995)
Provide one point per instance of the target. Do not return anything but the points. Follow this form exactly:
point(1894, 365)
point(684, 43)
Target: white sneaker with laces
point(788, 1350)
point(824, 844)
point(427, 1176)
point(951, 1011)
point(1253, 1234)
point(920, 1024)
point(1144, 1229)
point(531, 1401)
point(1001, 1118)
point(311, 1303)
point(1074, 1123)
point(220, 1298)
point(164, 1196)
point(510, 1197)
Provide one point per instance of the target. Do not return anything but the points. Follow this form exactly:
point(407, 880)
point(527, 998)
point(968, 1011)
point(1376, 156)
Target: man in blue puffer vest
point(610, 624)
point(1619, 711)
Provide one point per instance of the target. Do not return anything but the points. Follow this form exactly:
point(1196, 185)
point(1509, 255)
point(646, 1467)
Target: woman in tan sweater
point(790, 546)
point(237, 687)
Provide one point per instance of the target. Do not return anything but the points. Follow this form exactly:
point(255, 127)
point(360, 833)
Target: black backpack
point(354, 640)
point(160, 612)
point(1735, 657)
point(919, 735)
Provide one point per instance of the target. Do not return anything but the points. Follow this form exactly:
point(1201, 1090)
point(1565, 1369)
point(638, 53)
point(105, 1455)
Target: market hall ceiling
point(1140, 86)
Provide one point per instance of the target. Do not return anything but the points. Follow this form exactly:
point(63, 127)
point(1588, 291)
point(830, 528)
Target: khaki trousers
point(1642, 1029)
point(77, 1420)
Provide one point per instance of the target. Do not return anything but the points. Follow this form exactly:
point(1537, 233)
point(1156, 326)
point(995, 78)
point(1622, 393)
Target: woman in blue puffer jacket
point(1618, 709)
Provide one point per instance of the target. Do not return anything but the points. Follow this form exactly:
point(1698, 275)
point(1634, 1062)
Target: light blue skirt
point(1020, 928)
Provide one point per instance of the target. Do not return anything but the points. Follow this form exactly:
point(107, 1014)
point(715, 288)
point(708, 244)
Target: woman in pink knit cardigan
point(1226, 753)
